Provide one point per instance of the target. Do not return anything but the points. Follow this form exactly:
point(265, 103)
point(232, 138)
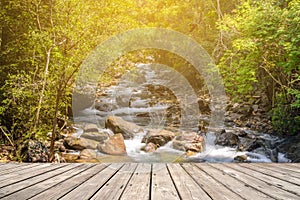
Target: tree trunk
point(45, 76)
point(54, 124)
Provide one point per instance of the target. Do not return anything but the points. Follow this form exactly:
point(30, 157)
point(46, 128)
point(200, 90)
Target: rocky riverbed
point(147, 114)
point(138, 118)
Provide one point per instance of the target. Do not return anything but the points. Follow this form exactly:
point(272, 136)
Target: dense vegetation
point(43, 43)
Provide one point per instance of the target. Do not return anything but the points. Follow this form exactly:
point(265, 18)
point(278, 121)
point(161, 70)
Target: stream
point(149, 96)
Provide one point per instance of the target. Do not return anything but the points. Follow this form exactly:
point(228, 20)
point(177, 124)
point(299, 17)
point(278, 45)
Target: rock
point(114, 145)
point(35, 151)
point(60, 146)
point(87, 140)
point(70, 157)
point(122, 100)
point(89, 144)
point(6, 153)
point(242, 133)
point(246, 110)
point(220, 132)
point(158, 137)
point(195, 147)
point(189, 142)
point(248, 144)
point(291, 148)
point(272, 154)
point(74, 143)
point(255, 108)
point(90, 128)
point(204, 105)
point(96, 136)
point(240, 158)
point(88, 154)
point(190, 153)
point(226, 139)
point(294, 153)
point(179, 145)
point(118, 125)
point(150, 147)
point(105, 107)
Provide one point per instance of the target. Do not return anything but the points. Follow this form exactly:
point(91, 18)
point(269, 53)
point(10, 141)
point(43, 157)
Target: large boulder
point(96, 136)
point(74, 143)
point(158, 137)
point(90, 128)
point(118, 125)
point(114, 145)
point(88, 140)
point(89, 144)
point(88, 154)
point(226, 139)
point(189, 142)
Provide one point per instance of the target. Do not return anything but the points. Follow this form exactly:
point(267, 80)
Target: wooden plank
point(275, 174)
point(284, 185)
point(9, 166)
point(162, 184)
point(258, 185)
point(186, 186)
point(14, 178)
point(34, 185)
point(87, 189)
point(285, 166)
point(17, 167)
point(292, 166)
point(213, 187)
point(232, 183)
point(21, 172)
point(26, 171)
point(68, 185)
point(274, 167)
point(139, 184)
point(114, 188)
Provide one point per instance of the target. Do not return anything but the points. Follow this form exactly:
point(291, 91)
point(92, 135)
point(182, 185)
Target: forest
point(254, 43)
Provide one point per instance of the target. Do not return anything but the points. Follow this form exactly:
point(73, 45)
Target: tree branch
point(6, 135)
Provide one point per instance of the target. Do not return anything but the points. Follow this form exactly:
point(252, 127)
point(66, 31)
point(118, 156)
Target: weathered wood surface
point(156, 181)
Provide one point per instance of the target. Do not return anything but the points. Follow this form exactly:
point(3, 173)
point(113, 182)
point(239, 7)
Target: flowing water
point(132, 100)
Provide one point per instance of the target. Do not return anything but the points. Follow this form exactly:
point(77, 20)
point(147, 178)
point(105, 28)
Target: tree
point(262, 57)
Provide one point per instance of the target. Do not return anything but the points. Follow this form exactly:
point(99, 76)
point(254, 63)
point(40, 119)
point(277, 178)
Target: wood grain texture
point(87, 189)
point(139, 183)
point(83, 173)
point(212, 186)
point(115, 186)
point(229, 181)
point(34, 185)
point(130, 181)
point(162, 184)
point(257, 184)
point(186, 186)
point(274, 174)
point(11, 178)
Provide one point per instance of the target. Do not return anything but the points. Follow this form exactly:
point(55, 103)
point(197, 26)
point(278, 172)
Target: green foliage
point(263, 56)
point(43, 44)
point(286, 118)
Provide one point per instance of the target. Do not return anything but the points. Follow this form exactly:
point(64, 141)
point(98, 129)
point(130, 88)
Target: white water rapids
point(127, 101)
